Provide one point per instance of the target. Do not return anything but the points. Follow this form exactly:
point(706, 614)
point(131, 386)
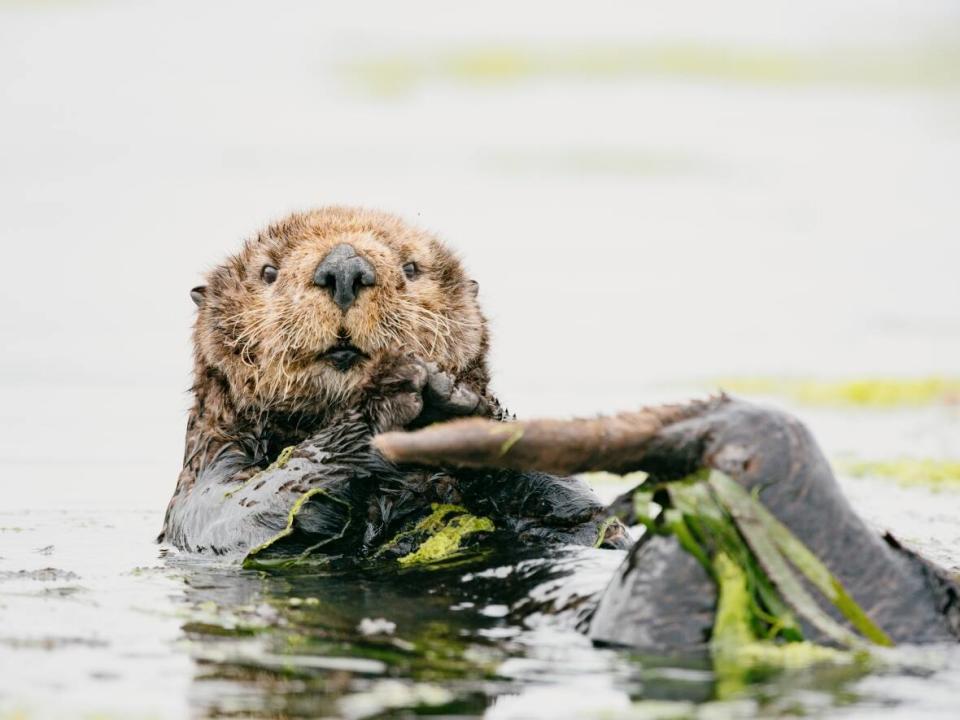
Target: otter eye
point(269, 274)
point(411, 270)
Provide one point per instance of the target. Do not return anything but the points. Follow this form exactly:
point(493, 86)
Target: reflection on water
point(497, 636)
point(448, 639)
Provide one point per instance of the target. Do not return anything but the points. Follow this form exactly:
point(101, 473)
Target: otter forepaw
point(410, 392)
point(397, 399)
point(445, 398)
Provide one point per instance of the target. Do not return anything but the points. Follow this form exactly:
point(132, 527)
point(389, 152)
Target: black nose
point(344, 272)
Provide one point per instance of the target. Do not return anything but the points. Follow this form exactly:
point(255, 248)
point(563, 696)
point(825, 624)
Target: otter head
point(301, 317)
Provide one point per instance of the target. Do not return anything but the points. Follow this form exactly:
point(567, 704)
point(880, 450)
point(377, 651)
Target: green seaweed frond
point(774, 545)
point(757, 564)
point(442, 531)
point(735, 649)
point(283, 458)
point(484, 66)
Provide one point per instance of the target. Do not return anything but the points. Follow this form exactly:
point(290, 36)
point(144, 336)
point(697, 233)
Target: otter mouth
point(343, 356)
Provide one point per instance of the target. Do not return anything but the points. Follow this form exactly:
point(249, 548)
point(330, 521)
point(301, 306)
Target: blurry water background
point(652, 196)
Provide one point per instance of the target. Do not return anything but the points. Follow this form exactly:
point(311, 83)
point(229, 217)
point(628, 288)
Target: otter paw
point(445, 398)
point(397, 397)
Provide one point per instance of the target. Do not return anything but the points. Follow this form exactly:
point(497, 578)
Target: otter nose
point(344, 272)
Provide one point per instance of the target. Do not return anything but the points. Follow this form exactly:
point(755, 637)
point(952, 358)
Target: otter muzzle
point(344, 274)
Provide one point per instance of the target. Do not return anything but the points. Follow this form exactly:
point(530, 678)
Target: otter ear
point(474, 287)
point(197, 294)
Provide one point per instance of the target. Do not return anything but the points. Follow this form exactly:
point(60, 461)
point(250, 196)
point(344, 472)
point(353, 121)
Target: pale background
point(651, 196)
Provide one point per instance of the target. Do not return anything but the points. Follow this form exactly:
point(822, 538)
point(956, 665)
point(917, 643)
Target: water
point(750, 188)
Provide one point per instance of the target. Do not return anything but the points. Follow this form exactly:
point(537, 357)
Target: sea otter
point(332, 326)
point(326, 328)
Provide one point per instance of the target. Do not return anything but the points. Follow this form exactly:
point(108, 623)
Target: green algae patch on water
point(863, 392)
point(910, 472)
point(487, 66)
point(445, 537)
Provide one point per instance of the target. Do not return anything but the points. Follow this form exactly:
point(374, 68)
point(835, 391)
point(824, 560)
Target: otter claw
point(439, 386)
point(448, 398)
point(463, 401)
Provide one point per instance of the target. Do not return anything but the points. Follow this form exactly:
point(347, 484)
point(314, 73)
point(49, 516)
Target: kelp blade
point(774, 544)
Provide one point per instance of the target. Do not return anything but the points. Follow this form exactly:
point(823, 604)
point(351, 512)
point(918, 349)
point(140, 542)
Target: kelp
point(773, 545)
point(735, 648)
point(757, 564)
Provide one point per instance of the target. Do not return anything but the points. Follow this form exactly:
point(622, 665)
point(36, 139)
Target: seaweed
point(755, 561)
point(737, 651)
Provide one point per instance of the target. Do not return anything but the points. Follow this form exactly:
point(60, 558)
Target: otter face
point(301, 316)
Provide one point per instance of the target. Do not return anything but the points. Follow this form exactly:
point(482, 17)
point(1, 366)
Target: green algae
point(910, 472)
point(446, 542)
point(736, 650)
point(865, 392)
point(933, 65)
point(430, 524)
point(445, 537)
